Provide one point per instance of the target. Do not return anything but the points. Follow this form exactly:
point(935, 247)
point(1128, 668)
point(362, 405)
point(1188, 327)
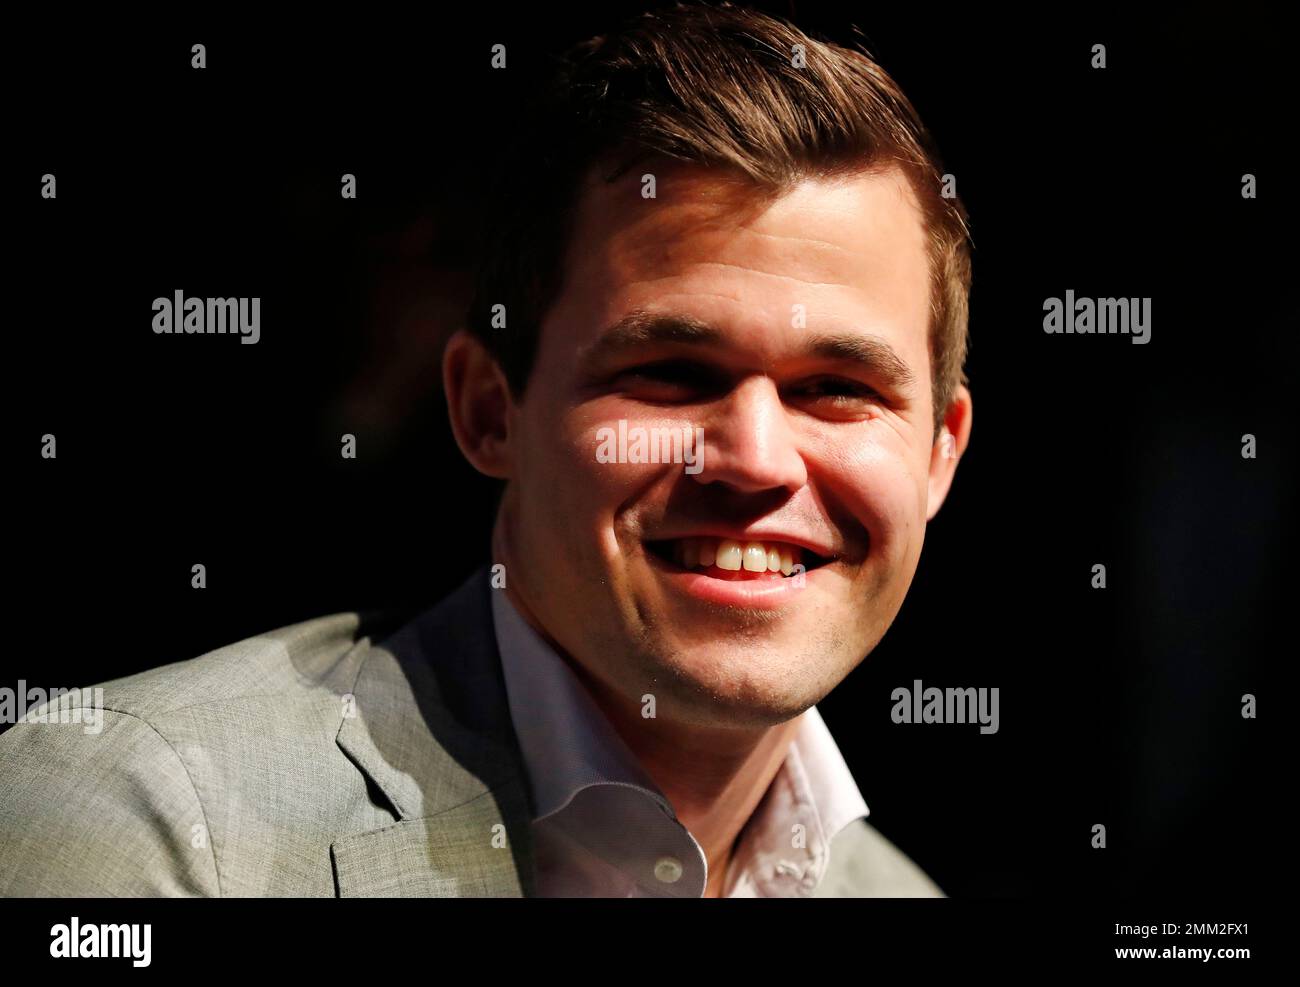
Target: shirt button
point(668, 869)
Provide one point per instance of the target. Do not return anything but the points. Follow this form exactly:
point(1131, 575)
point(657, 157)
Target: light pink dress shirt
point(601, 826)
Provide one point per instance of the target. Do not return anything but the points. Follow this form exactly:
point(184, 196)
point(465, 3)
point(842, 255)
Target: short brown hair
point(716, 86)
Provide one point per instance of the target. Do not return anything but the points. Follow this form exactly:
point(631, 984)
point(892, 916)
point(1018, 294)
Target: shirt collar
point(568, 744)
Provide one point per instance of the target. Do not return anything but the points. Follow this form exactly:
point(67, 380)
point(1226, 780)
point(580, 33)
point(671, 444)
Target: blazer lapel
point(430, 727)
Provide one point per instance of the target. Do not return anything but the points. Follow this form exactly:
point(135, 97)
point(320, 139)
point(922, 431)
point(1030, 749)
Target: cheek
point(577, 464)
point(622, 447)
point(881, 485)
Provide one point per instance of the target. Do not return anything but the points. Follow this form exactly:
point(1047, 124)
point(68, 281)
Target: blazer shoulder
point(215, 775)
point(100, 812)
point(312, 658)
point(864, 864)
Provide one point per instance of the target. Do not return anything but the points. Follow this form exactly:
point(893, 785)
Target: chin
point(740, 684)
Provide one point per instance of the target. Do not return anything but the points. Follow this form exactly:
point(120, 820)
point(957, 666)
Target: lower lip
point(761, 592)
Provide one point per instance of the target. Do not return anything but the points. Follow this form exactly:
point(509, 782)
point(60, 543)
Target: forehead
point(850, 249)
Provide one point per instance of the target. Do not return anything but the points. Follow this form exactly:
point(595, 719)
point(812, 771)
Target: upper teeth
point(753, 556)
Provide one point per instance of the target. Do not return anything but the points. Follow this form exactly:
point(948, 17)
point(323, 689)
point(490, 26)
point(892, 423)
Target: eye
point(839, 395)
point(836, 387)
point(669, 380)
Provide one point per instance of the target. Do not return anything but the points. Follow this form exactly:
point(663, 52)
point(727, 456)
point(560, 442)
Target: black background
point(1119, 707)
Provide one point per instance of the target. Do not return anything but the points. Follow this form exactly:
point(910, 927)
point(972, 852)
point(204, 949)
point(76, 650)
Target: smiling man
point(716, 228)
point(757, 253)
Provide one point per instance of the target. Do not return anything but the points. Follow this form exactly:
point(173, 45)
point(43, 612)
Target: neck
point(713, 776)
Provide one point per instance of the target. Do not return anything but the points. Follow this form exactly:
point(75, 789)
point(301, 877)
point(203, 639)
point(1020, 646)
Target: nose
point(748, 442)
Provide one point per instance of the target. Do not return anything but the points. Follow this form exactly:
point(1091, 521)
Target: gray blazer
point(309, 761)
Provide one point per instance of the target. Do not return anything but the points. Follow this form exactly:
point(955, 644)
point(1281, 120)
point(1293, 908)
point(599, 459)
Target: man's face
point(793, 332)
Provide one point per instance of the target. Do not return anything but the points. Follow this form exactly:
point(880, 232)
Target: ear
point(948, 448)
point(479, 404)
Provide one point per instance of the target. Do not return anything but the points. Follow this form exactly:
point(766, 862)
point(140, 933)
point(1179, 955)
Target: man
point(715, 358)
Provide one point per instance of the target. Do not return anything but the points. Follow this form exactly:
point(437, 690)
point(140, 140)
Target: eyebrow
point(637, 329)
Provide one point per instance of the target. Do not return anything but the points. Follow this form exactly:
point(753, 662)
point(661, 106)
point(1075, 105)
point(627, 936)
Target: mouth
point(735, 560)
